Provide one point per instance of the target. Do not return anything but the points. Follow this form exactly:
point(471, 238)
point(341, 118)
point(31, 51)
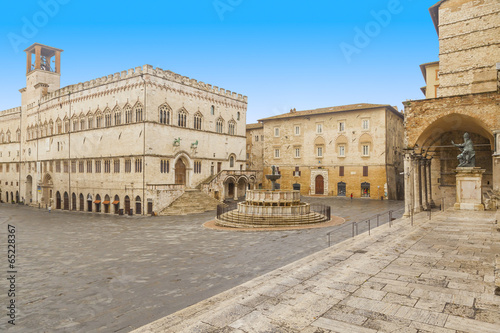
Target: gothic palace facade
point(134, 140)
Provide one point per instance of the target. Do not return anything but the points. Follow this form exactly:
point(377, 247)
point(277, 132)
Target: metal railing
point(369, 223)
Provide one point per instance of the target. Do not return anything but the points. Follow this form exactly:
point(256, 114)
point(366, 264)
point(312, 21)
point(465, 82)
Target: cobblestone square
point(80, 272)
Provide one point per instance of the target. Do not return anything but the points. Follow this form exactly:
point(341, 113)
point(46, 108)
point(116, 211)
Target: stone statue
point(273, 168)
point(177, 142)
point(467, 157)
point(194, 145)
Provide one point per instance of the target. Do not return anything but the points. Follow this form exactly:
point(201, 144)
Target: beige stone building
point(466, 100)
point(332, 151)
point(255, 148)
point(131, 140)
point(430, 71)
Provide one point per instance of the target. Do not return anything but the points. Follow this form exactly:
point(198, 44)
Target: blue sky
point(281, 54)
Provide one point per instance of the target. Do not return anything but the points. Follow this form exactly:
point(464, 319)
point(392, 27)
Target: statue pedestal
point(469, 189)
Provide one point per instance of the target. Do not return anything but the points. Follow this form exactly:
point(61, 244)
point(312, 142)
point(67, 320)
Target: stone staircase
point(193, 201)
point(491, 200)
point(234, 219)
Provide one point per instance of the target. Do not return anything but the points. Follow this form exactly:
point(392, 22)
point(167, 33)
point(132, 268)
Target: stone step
point(193, 201)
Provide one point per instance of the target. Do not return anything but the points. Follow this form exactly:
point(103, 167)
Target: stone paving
point(435, 276)
point(81, 272)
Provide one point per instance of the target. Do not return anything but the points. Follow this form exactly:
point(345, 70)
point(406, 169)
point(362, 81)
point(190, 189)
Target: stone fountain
point(272, 209)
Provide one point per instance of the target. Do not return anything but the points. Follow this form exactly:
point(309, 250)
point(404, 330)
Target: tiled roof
point(254, 126)
point(343, 108)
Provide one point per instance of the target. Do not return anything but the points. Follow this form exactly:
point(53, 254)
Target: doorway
point(180, 172)
point(320, 185)
point(341, 189)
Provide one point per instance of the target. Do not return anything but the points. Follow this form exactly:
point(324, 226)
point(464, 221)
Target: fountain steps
point(237, 220)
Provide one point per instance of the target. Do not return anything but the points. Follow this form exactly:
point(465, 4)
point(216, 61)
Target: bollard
point(390, 218)
point(369, 227)
point(378, 219)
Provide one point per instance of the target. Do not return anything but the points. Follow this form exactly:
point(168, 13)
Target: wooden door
point(180, 172)
point(320, 185)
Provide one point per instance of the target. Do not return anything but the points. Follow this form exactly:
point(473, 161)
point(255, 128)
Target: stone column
point(429, 168)
point(417, 185)
point(236, 191)
point(408, 177)
point(423, 166)
point(38, 56)
point(58, 62)
point(496, 163)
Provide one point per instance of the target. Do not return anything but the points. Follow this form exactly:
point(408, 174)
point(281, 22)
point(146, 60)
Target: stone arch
point(449, 123)
point(47, 186)
point(29, 189)
point(82, 202)
point(182, 166)
point(241, 187)
point(341, 141)
point(232, 160)
point(58, 200)
point(434, 144)
point(138, 205)
point(319, 141)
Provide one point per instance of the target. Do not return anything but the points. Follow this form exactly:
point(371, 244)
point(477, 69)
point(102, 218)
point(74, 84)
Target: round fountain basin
point(271, 198)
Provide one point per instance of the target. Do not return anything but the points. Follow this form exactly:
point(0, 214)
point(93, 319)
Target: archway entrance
point(116, 204)
point(138, 208)
point(47, 186)
point(73, 201)
point(97, 203)
point(180, 172)
point(242, 187)
point(82, 202)
point(66, 201)
point(58, 200)
point(341, 189)
point(89, 202)
point(29, 189)
point(320, 185)
point(365, 190)
point(106, 203)
point(434, 159)
point(127, 205)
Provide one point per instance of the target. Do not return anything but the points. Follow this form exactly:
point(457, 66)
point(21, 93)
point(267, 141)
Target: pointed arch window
point(66, 125)
point(117, 116)
point(107, 118)
point(219, 125)
point(212, 110)
point(198, 118)
point(18, 135)
point(2, 137)
point(59, 126)
point(90, 121)
point(82, 123)
point(98, 120)
point(182, 118)
point(128, 114)
point(232, 128)
point(164, 111)
point(138, 113)
point(8, 136)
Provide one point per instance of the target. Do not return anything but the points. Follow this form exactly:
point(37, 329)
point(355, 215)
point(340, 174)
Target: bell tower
point(43, 72)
